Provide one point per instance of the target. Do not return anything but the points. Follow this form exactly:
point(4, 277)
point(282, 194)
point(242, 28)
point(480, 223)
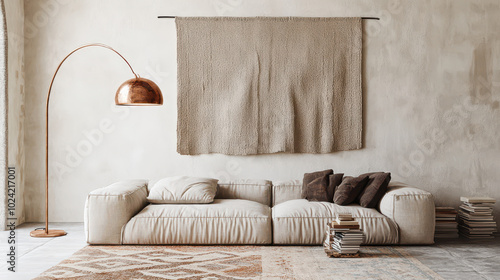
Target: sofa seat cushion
point(225, 221)
point(304, 222)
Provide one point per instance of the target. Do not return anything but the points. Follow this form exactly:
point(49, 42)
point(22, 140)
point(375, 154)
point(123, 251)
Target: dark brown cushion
point(375, 189)
point(349, 189)
point(334, 181)
point(316, 190)
point(309, 177)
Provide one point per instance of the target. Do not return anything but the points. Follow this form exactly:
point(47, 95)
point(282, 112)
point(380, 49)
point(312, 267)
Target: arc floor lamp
point(134, 92)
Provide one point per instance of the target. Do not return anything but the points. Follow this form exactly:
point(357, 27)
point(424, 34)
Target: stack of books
point(343, 236)
point(476, 218)
point(446, 223)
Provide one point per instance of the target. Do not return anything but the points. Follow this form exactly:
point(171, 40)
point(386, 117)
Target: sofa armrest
point(412, 210)
point(108, 209)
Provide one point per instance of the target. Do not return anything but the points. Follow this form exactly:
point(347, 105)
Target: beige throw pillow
point(183, 189)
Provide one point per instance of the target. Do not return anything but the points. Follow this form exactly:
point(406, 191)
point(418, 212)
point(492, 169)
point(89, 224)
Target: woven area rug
point(236, 262)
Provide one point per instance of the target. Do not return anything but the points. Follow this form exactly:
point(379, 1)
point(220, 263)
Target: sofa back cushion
point(183, 189)
point(286, 190)
point(254, 190)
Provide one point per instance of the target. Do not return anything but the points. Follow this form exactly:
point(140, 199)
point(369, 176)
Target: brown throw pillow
point(316, 190)
point(349, 189)
point(309, 177)
point(375, 189)
point(335, 181)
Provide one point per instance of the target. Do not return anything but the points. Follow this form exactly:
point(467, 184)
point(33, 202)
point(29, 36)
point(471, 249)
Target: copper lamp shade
point(138, 92)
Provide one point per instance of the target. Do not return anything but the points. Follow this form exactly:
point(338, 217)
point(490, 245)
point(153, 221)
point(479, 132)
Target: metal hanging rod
point(374, 18)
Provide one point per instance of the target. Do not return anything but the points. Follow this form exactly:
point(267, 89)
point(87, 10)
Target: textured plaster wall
point(431, 97)
point(14, 10)
point(3, 114)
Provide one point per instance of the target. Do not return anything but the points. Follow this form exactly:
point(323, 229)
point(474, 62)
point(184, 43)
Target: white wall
point(430, 96)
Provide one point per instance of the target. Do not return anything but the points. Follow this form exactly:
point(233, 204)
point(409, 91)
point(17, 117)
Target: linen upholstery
point(108, 209)
point(254, 190)
point(304, 222)
point(183, 189)
point(286, 190)
point(225, 221)
point(406, 216)
point(413, 210)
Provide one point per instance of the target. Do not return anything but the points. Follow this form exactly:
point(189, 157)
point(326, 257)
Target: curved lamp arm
point(77, 49)
point(57, 232)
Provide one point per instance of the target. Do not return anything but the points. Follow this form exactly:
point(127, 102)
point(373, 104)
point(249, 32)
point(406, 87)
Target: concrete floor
point(452, 259)
point(35, 255)
point(461, 258)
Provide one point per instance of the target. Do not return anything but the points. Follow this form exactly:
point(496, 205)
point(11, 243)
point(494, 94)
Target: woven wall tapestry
point(268, 85)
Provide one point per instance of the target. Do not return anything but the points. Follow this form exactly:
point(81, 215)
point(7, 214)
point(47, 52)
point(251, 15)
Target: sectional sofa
point(251, 212)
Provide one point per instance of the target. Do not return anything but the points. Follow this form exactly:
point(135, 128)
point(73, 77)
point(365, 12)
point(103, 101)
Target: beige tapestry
point(268, 85)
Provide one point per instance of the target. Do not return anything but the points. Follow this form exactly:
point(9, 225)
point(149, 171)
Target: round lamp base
point(51, 233)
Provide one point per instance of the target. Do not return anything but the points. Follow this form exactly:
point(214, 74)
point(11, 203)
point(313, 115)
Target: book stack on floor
point(343, 236)
point(476, 218)
point(446, 223)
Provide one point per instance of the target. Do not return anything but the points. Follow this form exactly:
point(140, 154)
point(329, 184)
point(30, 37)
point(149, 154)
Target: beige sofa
point(251, 212)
